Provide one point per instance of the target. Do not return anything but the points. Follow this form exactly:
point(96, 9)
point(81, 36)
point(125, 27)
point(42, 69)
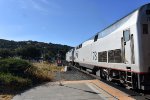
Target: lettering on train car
point(94, 55)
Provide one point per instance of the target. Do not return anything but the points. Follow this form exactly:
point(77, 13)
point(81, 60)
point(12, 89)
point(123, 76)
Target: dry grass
point(6, 97)
point(37, 74)
point(46, 70)
point(48, 66)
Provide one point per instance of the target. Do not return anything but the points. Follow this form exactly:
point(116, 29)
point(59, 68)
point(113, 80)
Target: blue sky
point(67, 22)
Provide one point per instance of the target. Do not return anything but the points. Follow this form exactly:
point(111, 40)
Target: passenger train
point(119, 52)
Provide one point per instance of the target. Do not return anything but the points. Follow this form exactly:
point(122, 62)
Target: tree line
point(32, 50)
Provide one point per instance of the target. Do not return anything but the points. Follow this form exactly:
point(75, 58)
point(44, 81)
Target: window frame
point(145, 31)
point(113, 57)
point(95, 38)
point(124, 36)
point(102, 56)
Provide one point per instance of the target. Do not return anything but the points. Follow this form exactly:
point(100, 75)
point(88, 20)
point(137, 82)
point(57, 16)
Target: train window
point(111, 56)
point(145, 28)
point(80, 45)
point(95, 38)
point(102, 56)
point(114, 56)
point(148, 12)
point(126, 35)
point(117, 56)
point(77, 47)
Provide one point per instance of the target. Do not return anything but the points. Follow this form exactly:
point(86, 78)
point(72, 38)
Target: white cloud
point(45, 1)
point(38, 6)
point(22, 4)
point(44, 6)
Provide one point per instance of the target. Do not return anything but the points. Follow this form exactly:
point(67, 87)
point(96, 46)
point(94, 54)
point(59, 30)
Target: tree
point(29, 52)
point(24, 49)
point(4, 53)
point(49, 56)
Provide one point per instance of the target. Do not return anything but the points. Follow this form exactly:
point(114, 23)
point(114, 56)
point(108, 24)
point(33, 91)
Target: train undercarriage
point(128, 79)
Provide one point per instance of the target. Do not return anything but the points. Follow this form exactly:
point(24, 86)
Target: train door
point(128, 47)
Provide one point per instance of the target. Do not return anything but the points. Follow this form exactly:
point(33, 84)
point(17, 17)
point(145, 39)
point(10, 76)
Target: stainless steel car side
point(120, 52)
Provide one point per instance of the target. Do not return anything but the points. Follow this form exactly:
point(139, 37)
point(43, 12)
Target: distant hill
point(46, 49)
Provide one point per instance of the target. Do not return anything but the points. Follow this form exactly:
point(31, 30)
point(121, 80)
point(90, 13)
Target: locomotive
point(119, 52)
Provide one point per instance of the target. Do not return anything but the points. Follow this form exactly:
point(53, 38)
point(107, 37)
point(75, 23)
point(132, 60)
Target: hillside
point(22, 49)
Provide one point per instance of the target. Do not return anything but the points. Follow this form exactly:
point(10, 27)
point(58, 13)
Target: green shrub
point(7, 78)
point(16, 67)
point(18, 74)
point(10, 82)
point(22, 68)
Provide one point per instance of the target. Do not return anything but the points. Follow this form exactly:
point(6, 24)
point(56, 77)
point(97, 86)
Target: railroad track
point(138, 95)
point(72, 75)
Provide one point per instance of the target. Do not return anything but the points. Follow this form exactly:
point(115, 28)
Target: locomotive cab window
point(148, 12)
point(126, 35)
point(80, 46)
point(95, 38)
point(145, 28)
